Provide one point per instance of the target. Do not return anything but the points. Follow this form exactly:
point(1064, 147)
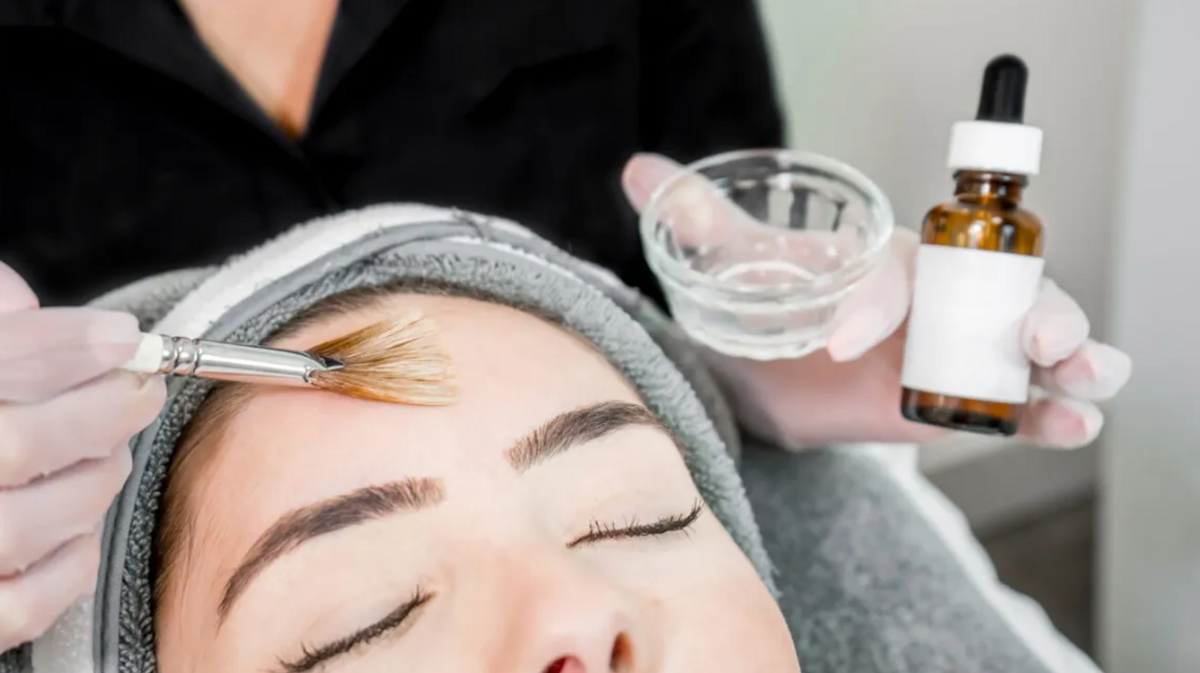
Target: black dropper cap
point(1003, 95)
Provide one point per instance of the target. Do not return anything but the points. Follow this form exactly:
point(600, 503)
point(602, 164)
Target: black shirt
point(126, 149)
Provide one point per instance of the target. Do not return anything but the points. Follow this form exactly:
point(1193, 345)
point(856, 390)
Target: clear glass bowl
point(756, 249)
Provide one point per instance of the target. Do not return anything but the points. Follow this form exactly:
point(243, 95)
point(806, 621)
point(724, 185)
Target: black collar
point(158, 35)
point(488, 39)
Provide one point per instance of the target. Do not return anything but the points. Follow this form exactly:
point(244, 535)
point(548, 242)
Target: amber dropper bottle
point(978, 271)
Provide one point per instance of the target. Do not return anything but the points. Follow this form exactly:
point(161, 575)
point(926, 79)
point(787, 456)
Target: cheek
point(720, 617)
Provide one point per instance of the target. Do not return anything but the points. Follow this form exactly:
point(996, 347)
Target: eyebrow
point(553, 438)
point(301, 525)
point(579, 426)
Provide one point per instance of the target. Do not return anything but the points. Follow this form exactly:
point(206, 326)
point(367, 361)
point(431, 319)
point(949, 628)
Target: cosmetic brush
point(395, 361)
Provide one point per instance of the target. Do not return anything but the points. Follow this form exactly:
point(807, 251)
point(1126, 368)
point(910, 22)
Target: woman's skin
point(520, 556)
point(273, 48)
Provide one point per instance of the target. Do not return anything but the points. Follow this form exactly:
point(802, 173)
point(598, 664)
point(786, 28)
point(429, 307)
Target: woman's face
point(543, 524)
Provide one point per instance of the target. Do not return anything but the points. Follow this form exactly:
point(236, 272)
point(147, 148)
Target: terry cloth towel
point(867, 585)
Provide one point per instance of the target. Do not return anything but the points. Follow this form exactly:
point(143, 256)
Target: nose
point(582, 632)
point(614, 657)
point(565, 618)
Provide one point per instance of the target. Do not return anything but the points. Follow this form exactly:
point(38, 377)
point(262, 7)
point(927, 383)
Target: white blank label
point(964, 330)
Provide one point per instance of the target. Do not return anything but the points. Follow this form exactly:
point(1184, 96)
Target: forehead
point(514, 370)
point(493, 347)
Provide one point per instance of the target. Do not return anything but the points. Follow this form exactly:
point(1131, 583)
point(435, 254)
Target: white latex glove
point(66, 418)
point(850, 392)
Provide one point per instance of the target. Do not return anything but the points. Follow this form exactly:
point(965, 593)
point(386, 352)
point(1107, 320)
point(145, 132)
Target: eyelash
point(676, 523)
point(311, 658)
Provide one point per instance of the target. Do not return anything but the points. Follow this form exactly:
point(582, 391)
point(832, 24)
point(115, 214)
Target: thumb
point(15, 294)
point(699, 212)
point(879, 305)
point(643, 174)
point(48, 351)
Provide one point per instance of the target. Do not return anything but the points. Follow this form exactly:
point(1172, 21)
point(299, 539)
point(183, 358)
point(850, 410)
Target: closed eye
point(676, 523)
point(312, 657)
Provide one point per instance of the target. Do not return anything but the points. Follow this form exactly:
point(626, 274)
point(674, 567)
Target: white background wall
point(1151, 570)
point(878, 83)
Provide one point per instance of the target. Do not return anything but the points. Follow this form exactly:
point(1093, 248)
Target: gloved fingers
point(48, 351)
point(37, 518)
point(15, 293)
point(1061, 423)
point(1095, 372)
point(30, 602)
point(81, 424)
point(1055, 328)
point(879, 305)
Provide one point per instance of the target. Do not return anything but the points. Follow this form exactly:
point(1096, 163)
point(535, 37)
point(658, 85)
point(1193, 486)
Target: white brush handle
point(149, 356)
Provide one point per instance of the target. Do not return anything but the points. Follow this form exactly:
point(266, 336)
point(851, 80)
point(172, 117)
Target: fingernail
point(857, 335)
point(113, 337)
point(152, 383)
point(691, 205)
point(643, 174)
point(17, 295)
point(14, 616)
point(113, 328)
point(91, 543)
point(1101, 375)
point(1057, 337)
point(1072, 424)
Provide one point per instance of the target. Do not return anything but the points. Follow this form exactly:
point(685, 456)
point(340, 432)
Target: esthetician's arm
point(66, 418)
point(849, 392)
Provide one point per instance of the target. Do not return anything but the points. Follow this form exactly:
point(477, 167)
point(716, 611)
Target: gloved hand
point(850, 392)
point(66, 418)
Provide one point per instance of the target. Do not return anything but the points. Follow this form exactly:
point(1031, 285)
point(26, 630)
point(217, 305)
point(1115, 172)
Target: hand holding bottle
point(66, 417)
point(851, 390)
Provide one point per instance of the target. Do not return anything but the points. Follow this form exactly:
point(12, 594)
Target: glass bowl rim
point(679, 272)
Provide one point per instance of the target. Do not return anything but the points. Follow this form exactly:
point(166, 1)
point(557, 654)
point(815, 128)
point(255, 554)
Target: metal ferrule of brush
point(235, 362)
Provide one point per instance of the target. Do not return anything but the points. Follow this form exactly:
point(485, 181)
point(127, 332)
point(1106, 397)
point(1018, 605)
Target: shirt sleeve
point(707, 83)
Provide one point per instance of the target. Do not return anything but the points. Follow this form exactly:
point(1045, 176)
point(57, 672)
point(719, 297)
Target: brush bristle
point(397, 361)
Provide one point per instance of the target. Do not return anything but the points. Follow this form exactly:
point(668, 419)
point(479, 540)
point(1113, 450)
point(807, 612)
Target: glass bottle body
point(986, 215)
